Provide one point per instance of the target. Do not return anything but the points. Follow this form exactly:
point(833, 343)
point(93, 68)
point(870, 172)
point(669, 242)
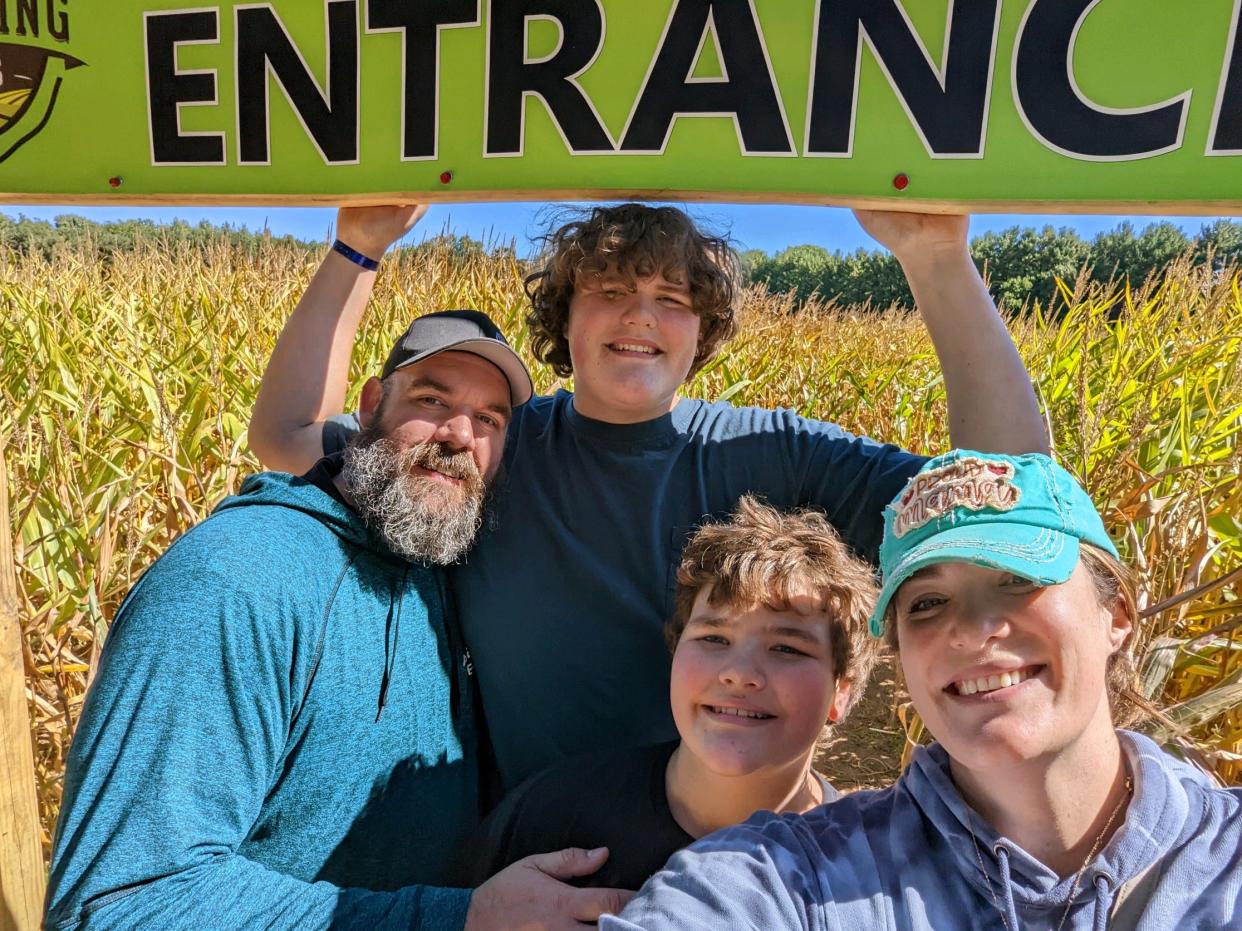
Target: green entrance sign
point(1110, 105)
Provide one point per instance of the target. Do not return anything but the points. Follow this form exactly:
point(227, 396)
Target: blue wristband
point(355, 256)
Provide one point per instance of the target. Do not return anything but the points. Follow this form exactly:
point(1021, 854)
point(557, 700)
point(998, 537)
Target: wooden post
point(22, 877)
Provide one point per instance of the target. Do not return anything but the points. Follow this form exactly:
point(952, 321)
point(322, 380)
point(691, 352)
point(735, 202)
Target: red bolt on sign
point(115, 181)
point(446, 177)
point(901, 181)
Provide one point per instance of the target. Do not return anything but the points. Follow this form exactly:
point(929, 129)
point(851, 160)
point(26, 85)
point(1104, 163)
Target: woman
point(1012, 617)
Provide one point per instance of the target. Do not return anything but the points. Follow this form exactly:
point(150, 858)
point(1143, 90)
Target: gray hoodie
point(903, 858)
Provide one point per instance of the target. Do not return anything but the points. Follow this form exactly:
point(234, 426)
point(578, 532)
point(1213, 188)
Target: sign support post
point(21, 861)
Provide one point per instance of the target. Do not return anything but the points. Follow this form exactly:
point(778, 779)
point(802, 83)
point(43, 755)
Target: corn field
point(128, 382)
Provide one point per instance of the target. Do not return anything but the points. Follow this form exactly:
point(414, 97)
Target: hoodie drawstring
point(1103, 902)
point(1103, 894)
point(1011, 910)
point(392, 634)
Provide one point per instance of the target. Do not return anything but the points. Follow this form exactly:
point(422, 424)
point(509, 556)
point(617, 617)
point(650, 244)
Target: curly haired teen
point(563, 599)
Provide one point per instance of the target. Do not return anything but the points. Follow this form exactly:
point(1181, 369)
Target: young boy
point(564, 597)
point(770, 650)
point(1013, 619)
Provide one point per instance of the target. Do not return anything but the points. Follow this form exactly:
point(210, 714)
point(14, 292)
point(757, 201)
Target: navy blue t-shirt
point(564, 597)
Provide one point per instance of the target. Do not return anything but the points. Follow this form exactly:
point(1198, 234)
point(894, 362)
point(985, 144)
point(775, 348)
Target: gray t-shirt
point(564, 597)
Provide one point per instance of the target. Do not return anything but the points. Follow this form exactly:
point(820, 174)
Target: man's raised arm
point(992, 404)
point(306, 377)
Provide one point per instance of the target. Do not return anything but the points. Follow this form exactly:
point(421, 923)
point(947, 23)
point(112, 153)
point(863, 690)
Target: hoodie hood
point(298, 493)
point(1026, 890)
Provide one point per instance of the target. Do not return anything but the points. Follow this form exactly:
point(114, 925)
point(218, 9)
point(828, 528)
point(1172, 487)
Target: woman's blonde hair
point(1116, 583)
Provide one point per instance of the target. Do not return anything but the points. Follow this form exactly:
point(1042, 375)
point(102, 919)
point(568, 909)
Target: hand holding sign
point(371, 230)
point(915, 236)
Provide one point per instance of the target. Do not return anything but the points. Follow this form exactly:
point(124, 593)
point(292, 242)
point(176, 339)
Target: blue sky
point(770, 228)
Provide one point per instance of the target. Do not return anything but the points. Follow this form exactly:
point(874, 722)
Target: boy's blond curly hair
point(761, 555)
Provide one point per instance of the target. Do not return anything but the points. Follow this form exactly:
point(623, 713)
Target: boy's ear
point(368, 404)
point(840, 700)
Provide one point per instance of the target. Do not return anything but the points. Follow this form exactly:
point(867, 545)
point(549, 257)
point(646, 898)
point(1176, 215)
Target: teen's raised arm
point(992, 404)
point(305, 379)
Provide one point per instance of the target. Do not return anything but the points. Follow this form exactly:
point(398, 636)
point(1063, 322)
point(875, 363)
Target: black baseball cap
point(461, 331)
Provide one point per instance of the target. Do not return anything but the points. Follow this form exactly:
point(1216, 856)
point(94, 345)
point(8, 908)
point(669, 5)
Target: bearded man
point(281, 731)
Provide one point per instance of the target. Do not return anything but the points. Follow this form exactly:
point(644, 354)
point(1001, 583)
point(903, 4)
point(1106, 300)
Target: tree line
point(83, 236)
point(1021, 264)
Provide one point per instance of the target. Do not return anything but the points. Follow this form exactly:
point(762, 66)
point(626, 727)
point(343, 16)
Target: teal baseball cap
point(1019, 514)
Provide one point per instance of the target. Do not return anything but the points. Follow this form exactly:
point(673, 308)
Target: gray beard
point(419, 518)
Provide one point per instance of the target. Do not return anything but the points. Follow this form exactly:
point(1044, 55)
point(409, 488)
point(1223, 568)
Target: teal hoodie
point(280, 734)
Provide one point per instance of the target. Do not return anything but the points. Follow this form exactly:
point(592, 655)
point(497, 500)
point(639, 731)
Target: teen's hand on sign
point(531, 896)
point(915, 235)
point(371, 230)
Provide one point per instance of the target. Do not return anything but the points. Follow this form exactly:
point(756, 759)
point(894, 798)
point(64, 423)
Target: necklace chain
point(1069, 901)
point(1099, 840)
point(984, 873)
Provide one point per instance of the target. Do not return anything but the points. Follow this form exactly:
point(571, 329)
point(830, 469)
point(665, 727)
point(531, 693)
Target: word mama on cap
point(969, 482)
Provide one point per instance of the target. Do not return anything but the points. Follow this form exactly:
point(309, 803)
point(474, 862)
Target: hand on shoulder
point(531, 894)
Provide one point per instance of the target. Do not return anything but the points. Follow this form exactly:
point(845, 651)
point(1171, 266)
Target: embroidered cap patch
point(970, 482)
